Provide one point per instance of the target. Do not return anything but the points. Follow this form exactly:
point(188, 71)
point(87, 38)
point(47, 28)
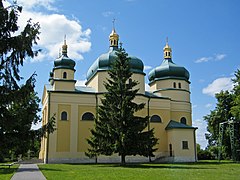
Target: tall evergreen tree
point(19, 105)
point(118, 129)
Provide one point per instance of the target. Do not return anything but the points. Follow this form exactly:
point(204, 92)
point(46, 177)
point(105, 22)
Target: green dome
point(167, 70)
point(64, 62)
point(104, 61)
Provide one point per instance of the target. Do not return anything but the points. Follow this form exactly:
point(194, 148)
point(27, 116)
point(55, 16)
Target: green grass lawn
point(201, 170)
point(6, 173)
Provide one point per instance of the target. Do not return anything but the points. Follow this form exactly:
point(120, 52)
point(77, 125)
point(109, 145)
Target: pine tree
point(117, 129)
point(19, 105)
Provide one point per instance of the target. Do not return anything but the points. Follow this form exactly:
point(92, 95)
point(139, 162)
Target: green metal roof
point(64, 62)
point(177, 125)
point(104, 61)
point(168, 69)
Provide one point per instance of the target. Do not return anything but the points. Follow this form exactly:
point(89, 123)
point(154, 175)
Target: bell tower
point(62, 75)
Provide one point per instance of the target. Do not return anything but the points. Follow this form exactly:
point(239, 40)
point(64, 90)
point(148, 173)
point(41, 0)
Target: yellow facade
point(74, 107)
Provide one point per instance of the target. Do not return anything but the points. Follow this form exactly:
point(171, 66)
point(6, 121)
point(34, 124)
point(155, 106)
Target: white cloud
point(201, 131)
point(53, 29)
point(219, 57)
point(217, 85)
point(203, 59)
point(215, 57)
point(147, 67)
point(80, 83)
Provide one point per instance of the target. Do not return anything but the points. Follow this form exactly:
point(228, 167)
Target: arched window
point(166, 53)
point(174, 85)
point(64, 75)
point(183, 120)
point(64, 115)
point(88, 116)
point(169, 54)
point(155, 118)
point(179, 85)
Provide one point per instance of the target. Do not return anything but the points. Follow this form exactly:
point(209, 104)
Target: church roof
point(64, 61)
point(168, 69)
point(104, 61)
point(177, 125)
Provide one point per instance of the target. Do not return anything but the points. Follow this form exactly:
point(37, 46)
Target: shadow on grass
point(156, 166)
point(8, 170)
point(213, 162)
point(149, 166)
point(49, 169)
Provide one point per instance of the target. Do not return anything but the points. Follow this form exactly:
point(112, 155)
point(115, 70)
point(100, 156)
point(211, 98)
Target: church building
point(167, 104)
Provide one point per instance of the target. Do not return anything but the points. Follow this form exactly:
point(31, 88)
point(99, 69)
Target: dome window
point(88, 116)
point(65, 75)
point(64, 116)
point(174, 85)
point(179, 85)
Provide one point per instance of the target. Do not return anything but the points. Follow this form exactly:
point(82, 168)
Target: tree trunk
point(123, 162)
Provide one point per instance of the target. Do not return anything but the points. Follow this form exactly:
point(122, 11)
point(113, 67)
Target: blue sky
point(204, 36)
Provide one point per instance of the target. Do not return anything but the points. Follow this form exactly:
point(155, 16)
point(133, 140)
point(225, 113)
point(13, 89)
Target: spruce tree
point(19, 105)
point(118, 129)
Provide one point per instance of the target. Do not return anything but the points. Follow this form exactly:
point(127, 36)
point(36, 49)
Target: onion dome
point(104, 61)
point(168, 69)
point(64, 62)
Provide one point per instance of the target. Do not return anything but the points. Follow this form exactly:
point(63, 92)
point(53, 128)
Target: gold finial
point(167, 50)
point(114, 37)
point(64, 46)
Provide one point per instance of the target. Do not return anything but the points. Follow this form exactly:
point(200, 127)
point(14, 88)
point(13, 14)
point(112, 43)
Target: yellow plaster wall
point(159, 128)
point(58, 74)
point(70, 138)
point(93, 82)
point(168, 83)
point(97, 82)
point(64, 86)
point(140, 79)
point(177, 95)
point(63, 129)
point(84, 127)
point(175, 115)
point(176, 136)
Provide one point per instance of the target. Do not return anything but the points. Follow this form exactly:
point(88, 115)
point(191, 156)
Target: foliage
point(204, 154)
point(235, 110)
point(18, 104)
point(227, 109)
point(117, 129)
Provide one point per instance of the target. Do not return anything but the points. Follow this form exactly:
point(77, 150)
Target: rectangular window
point(184, 144)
